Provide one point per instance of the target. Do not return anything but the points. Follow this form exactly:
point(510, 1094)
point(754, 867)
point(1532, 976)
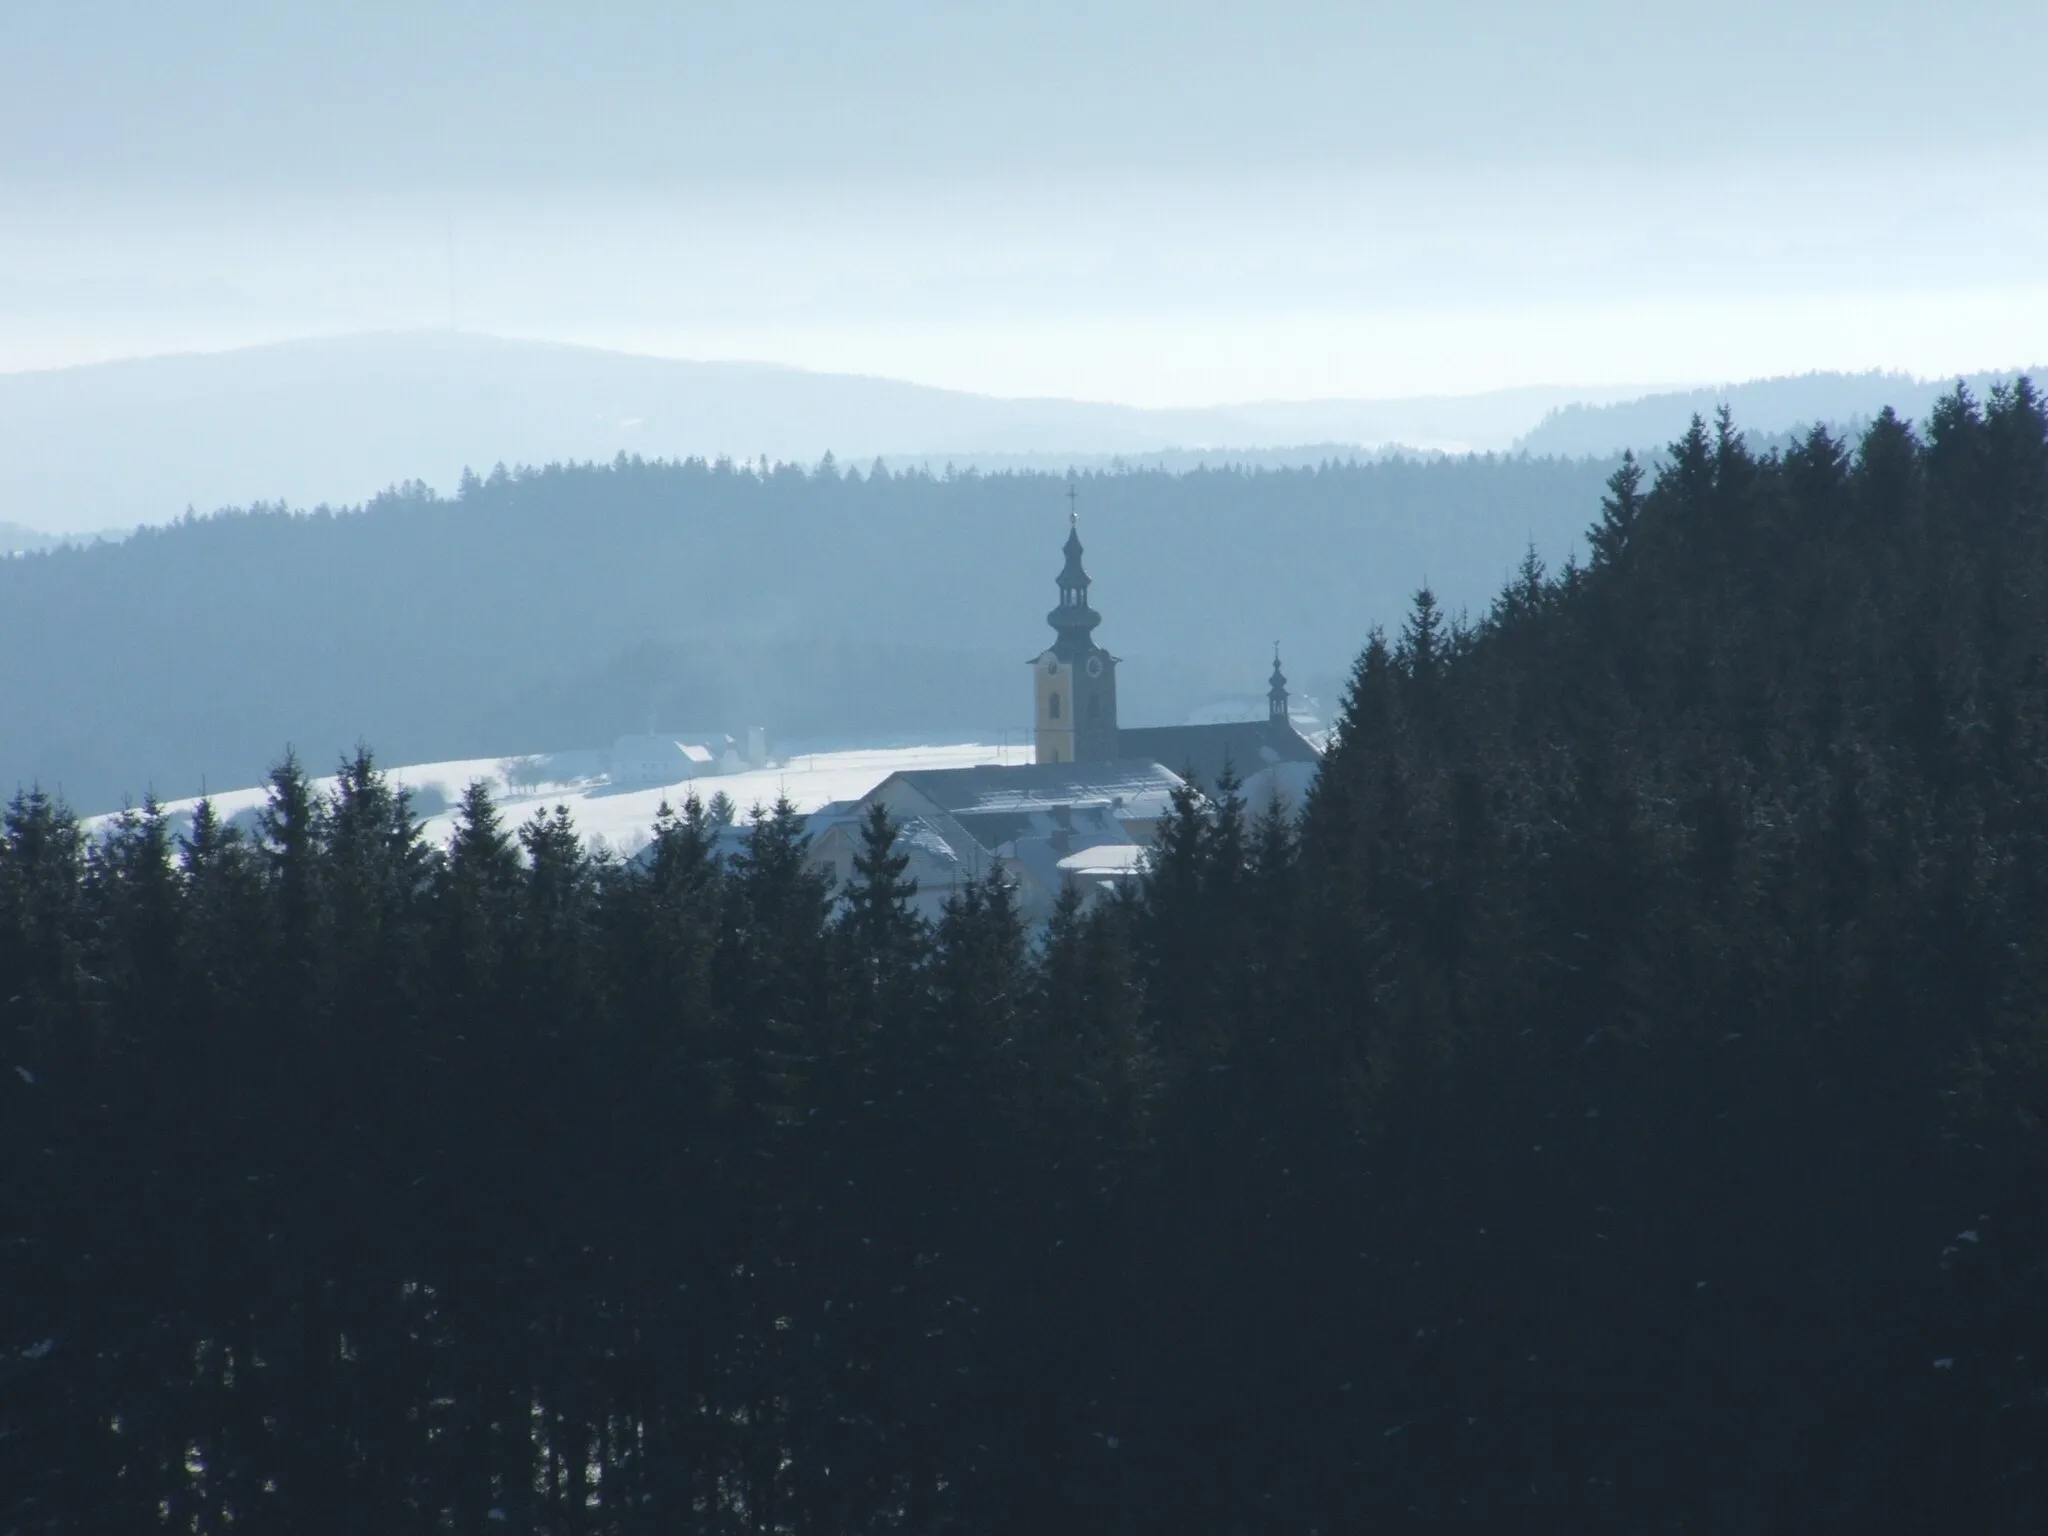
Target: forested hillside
point(1768, 409)
point(1616, 1105)
point(560, 608)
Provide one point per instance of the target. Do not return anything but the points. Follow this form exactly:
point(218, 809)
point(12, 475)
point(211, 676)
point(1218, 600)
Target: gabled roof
point(1202, 750)
point(1139, 789)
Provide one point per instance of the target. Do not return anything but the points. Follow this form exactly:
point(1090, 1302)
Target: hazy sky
point(1148, 202)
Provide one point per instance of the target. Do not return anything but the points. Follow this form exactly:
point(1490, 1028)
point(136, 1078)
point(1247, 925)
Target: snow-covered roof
point(919, 835)
point(1105, 859)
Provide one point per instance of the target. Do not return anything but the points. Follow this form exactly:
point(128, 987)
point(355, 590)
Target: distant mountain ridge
point(337, 420)
point(1764, 408)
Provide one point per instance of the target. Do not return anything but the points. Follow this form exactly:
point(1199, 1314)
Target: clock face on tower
point(1052, 666)
point(1095, 666)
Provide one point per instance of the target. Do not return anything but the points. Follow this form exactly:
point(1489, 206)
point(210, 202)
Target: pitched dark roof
point(1199, 752)
point(1080, 824)
point(988, 789)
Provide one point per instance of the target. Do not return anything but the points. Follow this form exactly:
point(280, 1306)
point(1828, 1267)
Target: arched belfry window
point(1052, 706)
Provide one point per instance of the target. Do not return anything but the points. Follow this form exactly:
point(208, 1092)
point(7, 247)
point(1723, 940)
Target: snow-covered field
point(622, 818)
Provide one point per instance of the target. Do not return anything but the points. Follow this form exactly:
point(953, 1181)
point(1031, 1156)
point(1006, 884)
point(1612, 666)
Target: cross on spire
point(1073, 511)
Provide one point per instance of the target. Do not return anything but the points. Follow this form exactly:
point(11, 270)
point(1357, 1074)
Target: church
point(1085, 810)
point(1074, 698)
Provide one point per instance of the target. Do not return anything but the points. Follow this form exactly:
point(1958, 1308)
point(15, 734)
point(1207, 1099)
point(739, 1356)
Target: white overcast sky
point(1156, 203)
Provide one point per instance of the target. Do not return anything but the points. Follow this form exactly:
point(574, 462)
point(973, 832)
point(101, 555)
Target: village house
point(646, 762)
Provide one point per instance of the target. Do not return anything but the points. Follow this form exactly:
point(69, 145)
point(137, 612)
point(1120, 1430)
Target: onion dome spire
point(1276, 691)
point(1073, 620)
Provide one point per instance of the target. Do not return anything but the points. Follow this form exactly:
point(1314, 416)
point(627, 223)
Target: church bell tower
point(1074, 679)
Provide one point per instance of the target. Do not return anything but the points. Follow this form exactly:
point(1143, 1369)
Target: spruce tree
point(1420, 653)
point(1619, 510)
point(478, 887)
point(876, 915)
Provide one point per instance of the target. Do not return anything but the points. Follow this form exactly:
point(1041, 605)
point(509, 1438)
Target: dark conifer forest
point(1615, 1104)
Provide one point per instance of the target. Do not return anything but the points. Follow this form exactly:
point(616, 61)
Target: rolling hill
point(337, 420)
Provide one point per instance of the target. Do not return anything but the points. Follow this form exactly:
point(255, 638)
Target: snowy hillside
point(621, 818)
